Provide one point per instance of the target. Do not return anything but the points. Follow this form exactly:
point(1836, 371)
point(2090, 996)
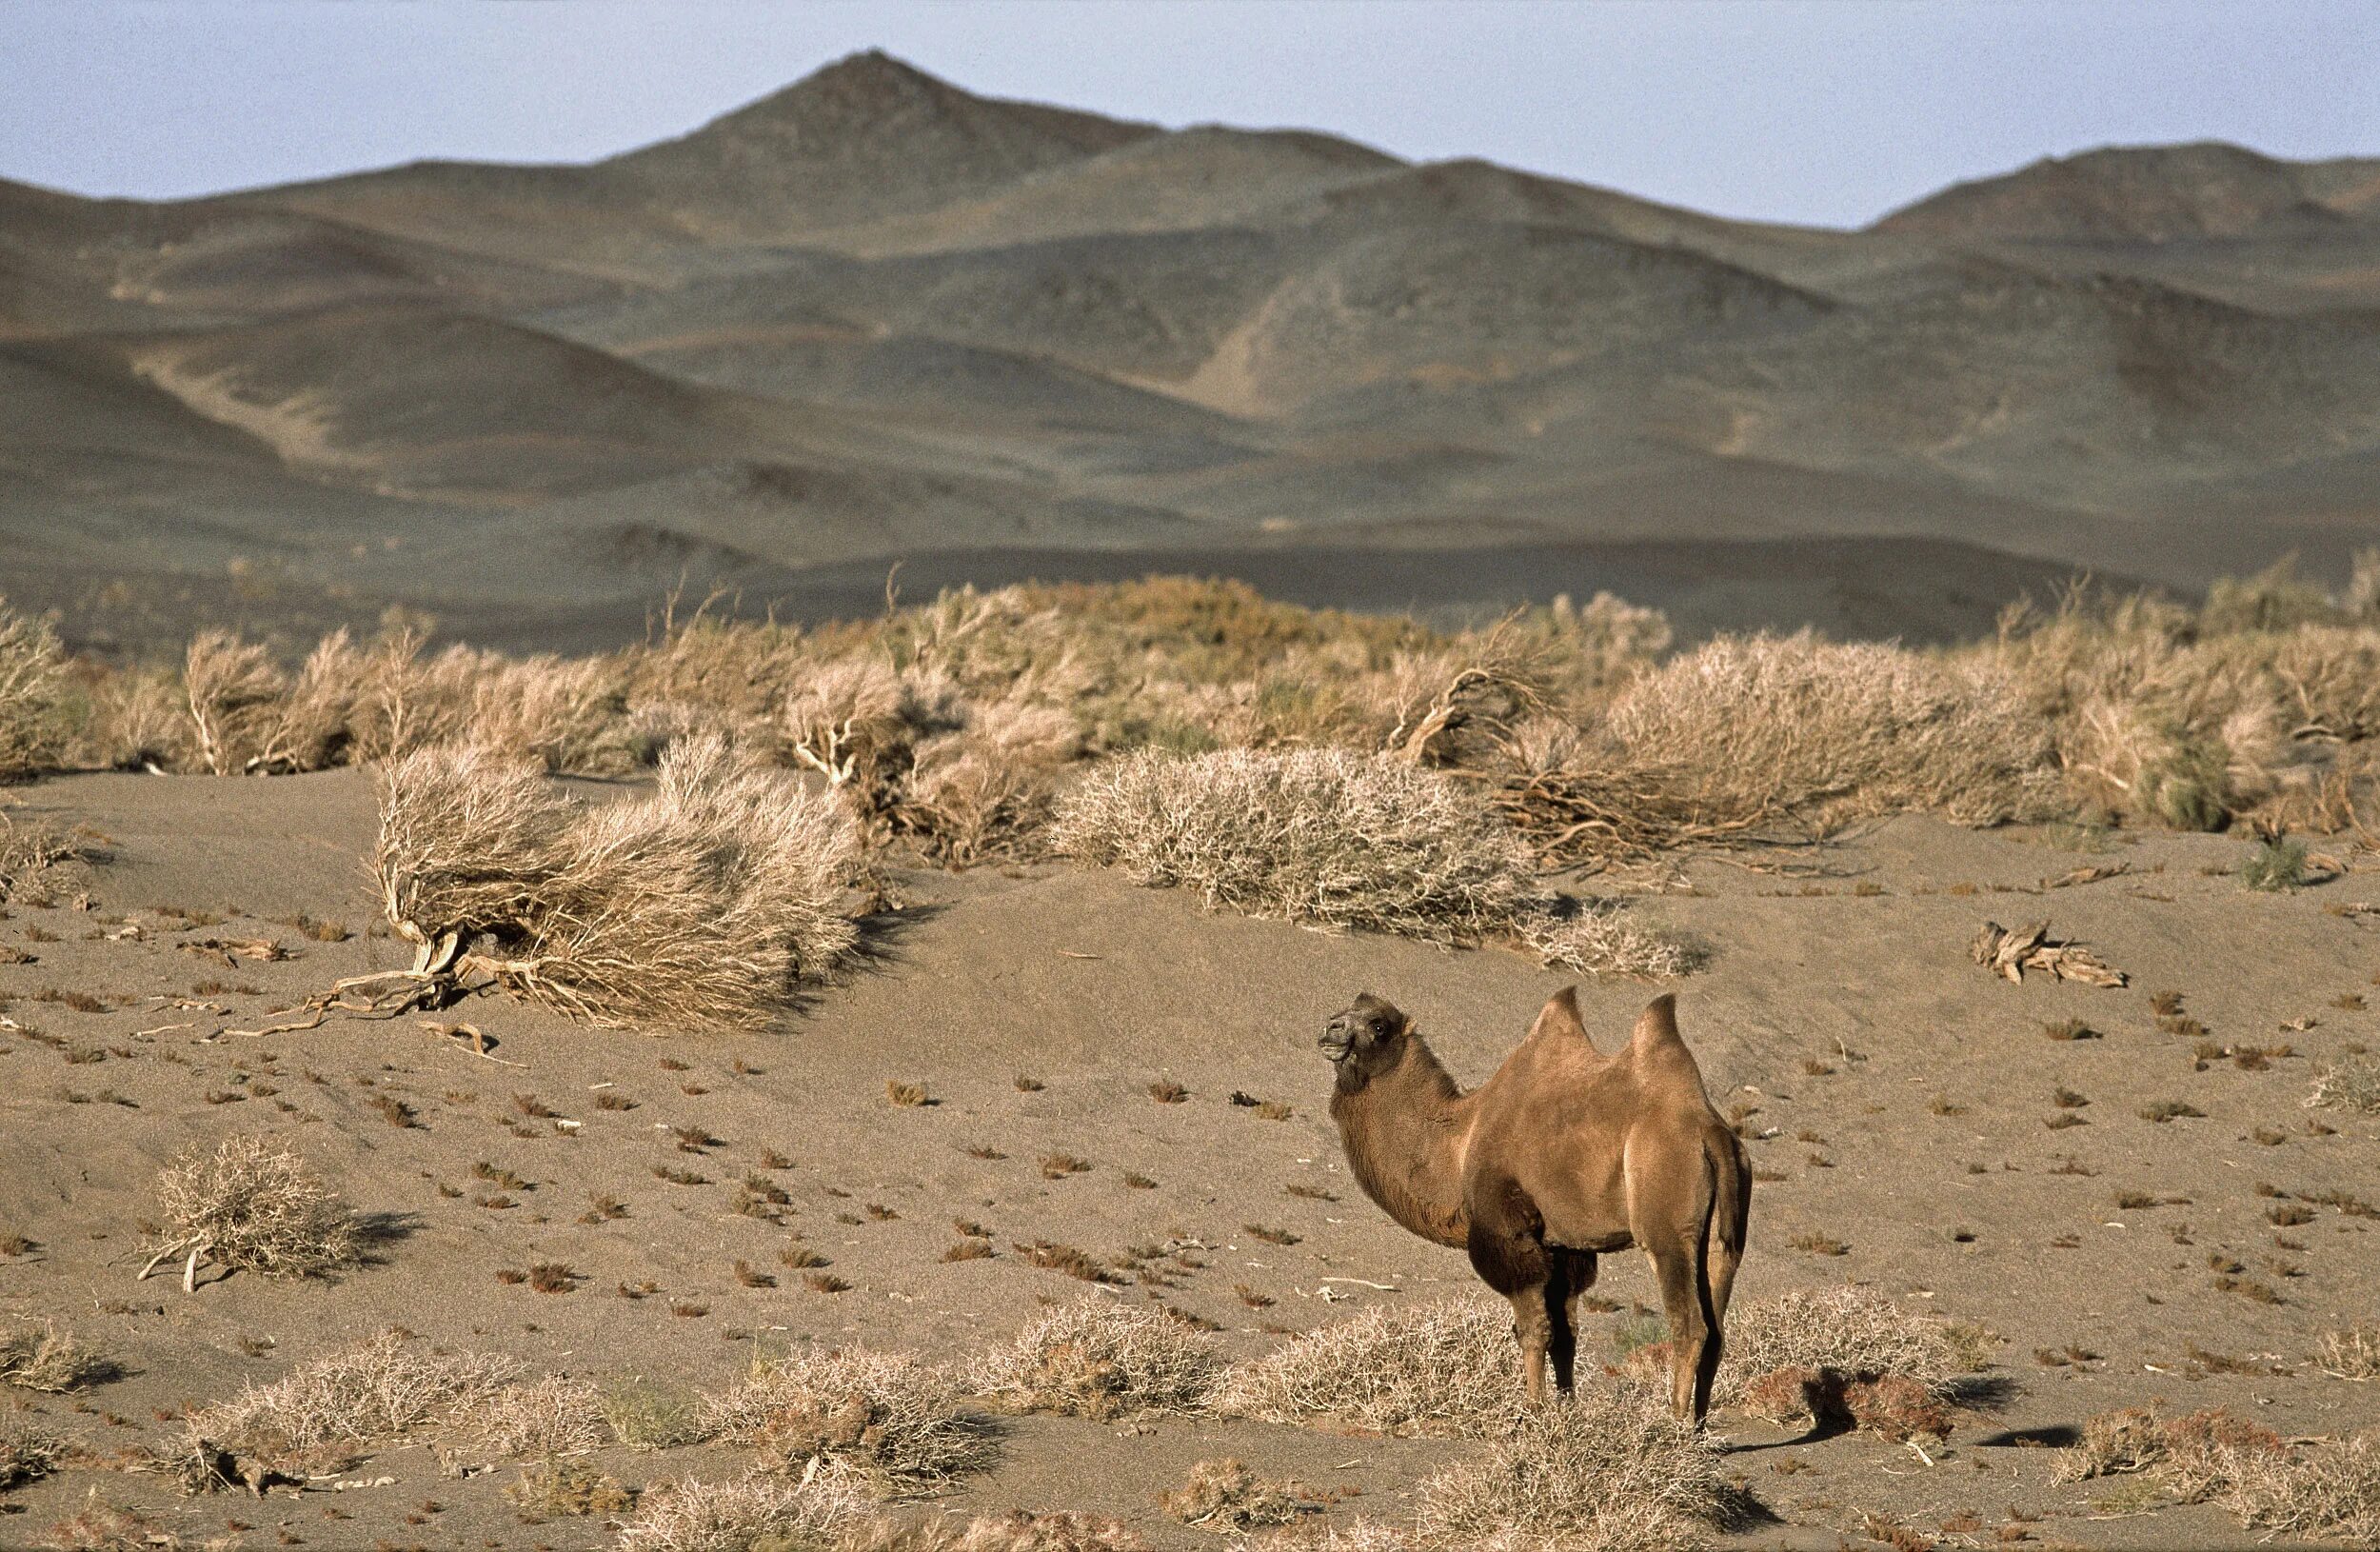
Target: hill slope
point(875, 316)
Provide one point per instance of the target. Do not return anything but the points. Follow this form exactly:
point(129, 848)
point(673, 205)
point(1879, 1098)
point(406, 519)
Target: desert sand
point(1896, 1099)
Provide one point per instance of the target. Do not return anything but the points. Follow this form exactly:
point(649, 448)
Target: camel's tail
point(1730, 1222)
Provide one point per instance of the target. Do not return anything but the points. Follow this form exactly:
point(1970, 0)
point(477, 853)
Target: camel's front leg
point(1573, 1275)
point(1509, 1254)
point(1534, 1327)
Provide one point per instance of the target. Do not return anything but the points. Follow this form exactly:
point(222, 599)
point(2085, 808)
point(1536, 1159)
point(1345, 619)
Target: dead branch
point(2011, 954)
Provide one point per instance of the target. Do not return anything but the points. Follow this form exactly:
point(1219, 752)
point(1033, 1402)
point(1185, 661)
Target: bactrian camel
point(1564, 1154)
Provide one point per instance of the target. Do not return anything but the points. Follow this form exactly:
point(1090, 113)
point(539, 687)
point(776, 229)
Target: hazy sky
point(1830, 112)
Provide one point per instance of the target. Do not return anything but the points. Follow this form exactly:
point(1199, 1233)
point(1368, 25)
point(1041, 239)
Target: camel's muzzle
point(1338, 1041)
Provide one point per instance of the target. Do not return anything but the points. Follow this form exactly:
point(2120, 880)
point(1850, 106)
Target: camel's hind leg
point(1692, 1349)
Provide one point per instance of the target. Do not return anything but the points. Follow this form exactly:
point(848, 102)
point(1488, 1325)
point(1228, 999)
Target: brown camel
point(1563, 1154)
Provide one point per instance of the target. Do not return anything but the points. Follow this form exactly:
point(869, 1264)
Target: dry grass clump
point(1767, 728)
point(2350, 1354)
point(2316, 1489)
point(27, 1451)
point(1612, 1471)
point(33, 674)
point(1599, 938)
point(551, 1416)
point(690, 1515)
point(252, 1205)
point(46, 1357)
point(2251, 704)
point(1225, 1495)
point(2328, 1491)
point(1446, 1368)
point(2350, 1083)
point(384, 1388)
point(1101, 1360)
point(701, 905)
point(895, 1420)
point(1844, 1331)
point(1307, 835)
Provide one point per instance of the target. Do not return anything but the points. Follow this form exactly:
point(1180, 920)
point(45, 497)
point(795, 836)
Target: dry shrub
point(133, 720)
point(2313, 1489)
point(1610, 1472)
point(1310, 835)
point(46, 1357)
point(1018, 1531)
point(2327, 1491)
point(551, 1416)
point(852, 720)
point(985, 791)
point(231, 690)
point(383, 1389)
point(1101, 1360)
point(2350, 1083)
point(2190, 718)
point(1599, 939)
point(1448, 1368)
point(1352, 1536)
point(26, 849)
point(252, 1205)
point(27, 1451)
point(1846, 1333)
point(2350, 1354)
point(700, 905)
point(33, 674)
point(1763, 728)
point(1225, 1495)
point(897, 1422)
point(737, 1516)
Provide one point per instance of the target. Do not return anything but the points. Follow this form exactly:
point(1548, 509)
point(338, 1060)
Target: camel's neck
point(1406, 1131)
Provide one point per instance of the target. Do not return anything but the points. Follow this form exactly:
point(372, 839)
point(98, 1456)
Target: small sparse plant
point(2165, 1110)
point(643, 1415)
point(2274, 866)
point(2350, 1354)
point(2350, 1083)
point(1224, 1494)
point(905, 1094)
point(553, 1488)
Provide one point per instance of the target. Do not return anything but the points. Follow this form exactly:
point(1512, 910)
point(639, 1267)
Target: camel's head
point(1366, 1039)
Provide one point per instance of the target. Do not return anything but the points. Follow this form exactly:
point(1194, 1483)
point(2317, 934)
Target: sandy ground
point(1903, 1107)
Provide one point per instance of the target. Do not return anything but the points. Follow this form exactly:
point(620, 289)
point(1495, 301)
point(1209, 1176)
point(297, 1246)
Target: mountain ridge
point(873, 314)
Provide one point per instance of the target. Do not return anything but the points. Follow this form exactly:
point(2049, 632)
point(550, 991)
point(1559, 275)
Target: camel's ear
point(1658, 1022)
point(1559, 1017)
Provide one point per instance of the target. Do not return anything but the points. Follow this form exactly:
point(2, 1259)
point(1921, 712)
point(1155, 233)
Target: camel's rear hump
point(1659, 1052)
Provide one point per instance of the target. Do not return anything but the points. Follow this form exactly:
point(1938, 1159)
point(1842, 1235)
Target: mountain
point(874, 317)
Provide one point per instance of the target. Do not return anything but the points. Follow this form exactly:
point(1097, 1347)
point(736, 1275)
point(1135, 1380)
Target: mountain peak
point(865, 136)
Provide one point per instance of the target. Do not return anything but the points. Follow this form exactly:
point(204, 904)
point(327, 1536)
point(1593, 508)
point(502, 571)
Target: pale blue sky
point(1829, 112)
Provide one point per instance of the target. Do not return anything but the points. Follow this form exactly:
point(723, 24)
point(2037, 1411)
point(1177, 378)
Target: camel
point(1563, 1154)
